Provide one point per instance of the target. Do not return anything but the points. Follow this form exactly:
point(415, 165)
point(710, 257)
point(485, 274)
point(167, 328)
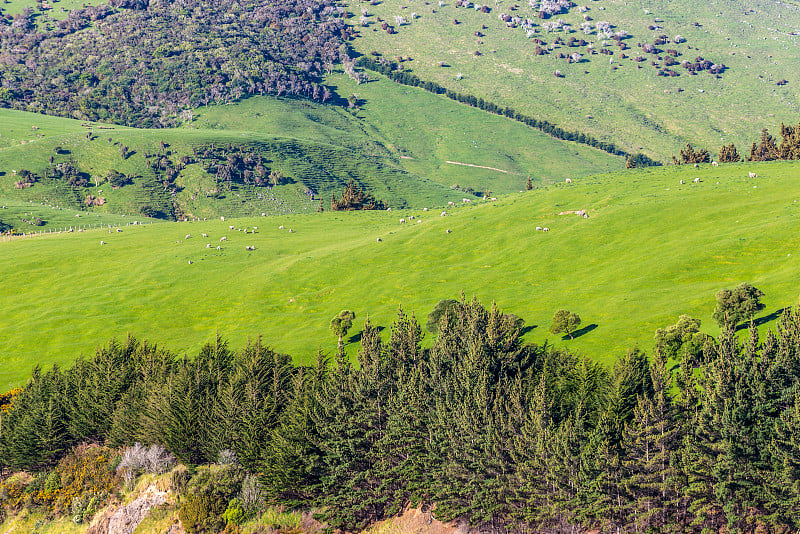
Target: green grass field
point(630, 106)
point(650, 250)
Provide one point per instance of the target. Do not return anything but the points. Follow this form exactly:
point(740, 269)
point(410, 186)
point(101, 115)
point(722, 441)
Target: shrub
point(234, 514)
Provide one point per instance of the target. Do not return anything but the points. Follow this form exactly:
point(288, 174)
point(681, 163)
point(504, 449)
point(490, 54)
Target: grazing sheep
point(219, 247)
point(190, 262)
point(448, 231)
point(424, 209)
point(102, 242)
point(119, 230)
point(280, 227)
point(569, 180)
point(402, 221)
point(752, 175)
point(493, 199)
point(205, 235)
point(696, 165)
point(681, 182)
point(379, 240)
point(188, 236)
point(696, 180)
point(585, 215)
point(545, 229)
point(291, 231)
point(466, 200)
point(538, 228)
point(388, 209)
point(222, 218)
point(411, 218)
point(714, 164)
point(444, 214)
point(419, 220)
point(231, 227)
point(451, 203)
point(263, 214)
point(208, 245)
point(223, 238)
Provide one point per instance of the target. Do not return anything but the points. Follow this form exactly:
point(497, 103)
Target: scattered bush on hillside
point(355, 198)
point(220, 52)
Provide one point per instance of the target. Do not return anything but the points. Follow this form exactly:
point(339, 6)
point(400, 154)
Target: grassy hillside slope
point(650, 250)
point(404, 145)
point(621, 101)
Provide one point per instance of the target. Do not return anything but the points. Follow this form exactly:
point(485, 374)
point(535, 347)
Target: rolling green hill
point(613, 98)
point(650, 250)
point(404, 145)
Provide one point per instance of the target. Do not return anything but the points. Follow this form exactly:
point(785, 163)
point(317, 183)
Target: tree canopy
point(737, 305)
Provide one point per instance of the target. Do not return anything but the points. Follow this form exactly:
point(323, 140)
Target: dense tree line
point(147, 63)
point(391, 71)
point(504, 435)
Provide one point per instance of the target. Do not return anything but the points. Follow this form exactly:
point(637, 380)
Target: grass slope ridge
point(650, 250)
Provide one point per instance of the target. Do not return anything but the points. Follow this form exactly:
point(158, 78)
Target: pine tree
point(729, 154)
point(765, 150)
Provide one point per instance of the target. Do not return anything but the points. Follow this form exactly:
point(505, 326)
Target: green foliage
point(737, 305)
point(342, 323)
point(682, 340)
point(234, 514)
point(566, 322)
point(444, 309)
point(689, 155)
point(355, 198)
point(729, 154)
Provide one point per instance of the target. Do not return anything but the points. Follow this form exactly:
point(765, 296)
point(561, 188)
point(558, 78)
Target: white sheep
point(696, 180)
point(451, 204)
point(568, 180)
point(402, 221)
point(208, 245)
point(545, 229)
point(379, 240)
point(219, 247)
point(538, 228)
point(188, 236)
point(291, 231)
point(714, 164)
point(102, 242)
point(444, 214)
point(448, 231)
point(223, 238)
point(205, 235)
point(752, 175)
point(681, 182)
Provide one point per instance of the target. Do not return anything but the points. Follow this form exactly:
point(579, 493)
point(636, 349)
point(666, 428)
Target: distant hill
point(650, 250)
point(743, 56)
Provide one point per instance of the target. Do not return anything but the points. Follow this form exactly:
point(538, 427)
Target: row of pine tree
point(478, 427)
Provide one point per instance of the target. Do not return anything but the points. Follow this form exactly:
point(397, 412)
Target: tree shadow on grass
point(527, 329)
point(356, 338)
point(581, 332)
point(763, 320)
